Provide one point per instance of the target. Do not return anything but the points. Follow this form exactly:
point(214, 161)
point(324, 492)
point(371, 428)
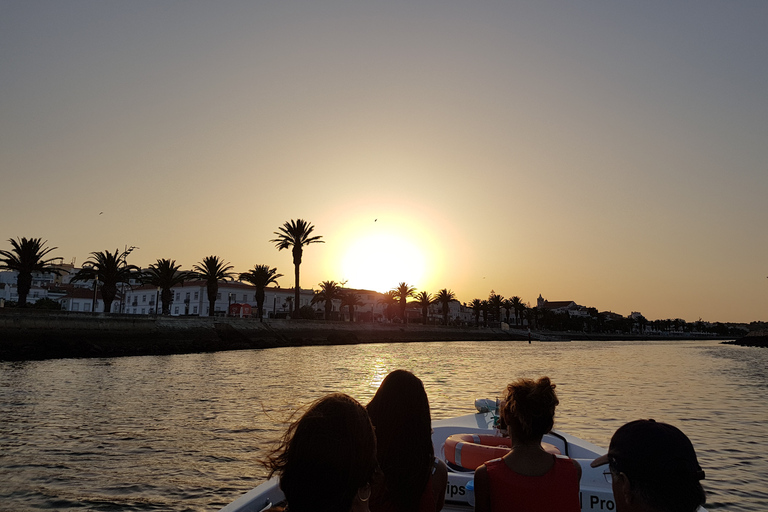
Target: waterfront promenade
point(30, 335)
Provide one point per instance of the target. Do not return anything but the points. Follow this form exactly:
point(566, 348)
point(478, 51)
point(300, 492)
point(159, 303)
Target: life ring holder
point(470, 451)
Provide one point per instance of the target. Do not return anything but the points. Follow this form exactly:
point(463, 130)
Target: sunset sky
point(610, 153)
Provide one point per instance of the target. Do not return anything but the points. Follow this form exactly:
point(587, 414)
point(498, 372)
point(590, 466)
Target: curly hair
point(400, 414)
point(326, 456)
point(528, 408)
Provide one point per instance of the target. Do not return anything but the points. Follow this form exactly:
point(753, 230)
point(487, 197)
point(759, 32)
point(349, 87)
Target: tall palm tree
point(165, 274)
point(294, 235)
point(109, 269)
point(212, 270)
point(477, 308)
point(642, 322)
point(495, 301)
point(351, 300)
point(518, 306)
point(529, 314)
point(424, 299)
point(545, 316)
point(26, 257)
point(484, 307)
point(402, 293)
point(389, 301)
point(260, 276)
point(329, 291)
point(507, 305)
point(444, 298)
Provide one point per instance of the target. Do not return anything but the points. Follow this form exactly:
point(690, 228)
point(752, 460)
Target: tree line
point(109, 270)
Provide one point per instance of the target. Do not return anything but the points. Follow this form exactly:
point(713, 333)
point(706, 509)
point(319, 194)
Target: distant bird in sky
point(100, 213)
point(374, 220)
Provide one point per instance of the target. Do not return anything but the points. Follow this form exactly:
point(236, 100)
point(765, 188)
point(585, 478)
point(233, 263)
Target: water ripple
point(186, 432)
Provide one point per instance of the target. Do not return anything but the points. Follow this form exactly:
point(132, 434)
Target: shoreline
point(753, 339)
point(54, 335)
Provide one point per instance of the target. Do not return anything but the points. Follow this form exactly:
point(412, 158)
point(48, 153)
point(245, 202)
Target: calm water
point(185, 432)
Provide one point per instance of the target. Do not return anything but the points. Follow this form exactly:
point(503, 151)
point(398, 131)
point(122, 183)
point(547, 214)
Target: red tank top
point(555, 491)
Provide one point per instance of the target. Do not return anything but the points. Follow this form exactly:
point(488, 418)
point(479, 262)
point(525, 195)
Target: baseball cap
point(651, 450)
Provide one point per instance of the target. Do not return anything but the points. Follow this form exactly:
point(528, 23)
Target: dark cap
point(649, 450)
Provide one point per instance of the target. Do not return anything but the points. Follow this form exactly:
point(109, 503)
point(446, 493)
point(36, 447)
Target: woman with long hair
point(326, 460)
point(413, 479)
point(528, 478)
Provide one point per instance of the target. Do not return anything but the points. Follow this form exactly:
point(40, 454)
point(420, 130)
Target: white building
point(44, 284)
point(191, 298)
point(77, 298)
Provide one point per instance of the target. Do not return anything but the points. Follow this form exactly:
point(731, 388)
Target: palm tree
point(444, 298)
point(495, 301)
point(295, 235)
point(484, 306)
point(212, 270)
point(402, 292)
point(26, 257)
point(389, 300)
point(424, 299)
point(518, 306)
point(351, 300)
point(525, 314)
point(642, 322)
point(165, 274)
point(260, 276)
point(110, 269)
point(329, 291)
point(533, 316)
point(507, 305)
point(545, 315)
point(477, 308)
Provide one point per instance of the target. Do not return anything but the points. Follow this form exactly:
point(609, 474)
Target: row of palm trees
point(395, 300)
point(491, 309)
point(110, 269)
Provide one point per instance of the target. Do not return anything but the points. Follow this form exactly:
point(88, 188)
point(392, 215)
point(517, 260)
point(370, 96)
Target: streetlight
point(95, 292)
point(124, 257)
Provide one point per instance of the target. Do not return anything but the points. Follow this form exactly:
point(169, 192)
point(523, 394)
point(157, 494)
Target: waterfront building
point(45, 285)
point(562, 306)
point(78, 298)
point(191, 298)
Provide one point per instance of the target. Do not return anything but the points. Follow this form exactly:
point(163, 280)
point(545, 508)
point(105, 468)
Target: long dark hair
point(326, 456)
point(400, 414)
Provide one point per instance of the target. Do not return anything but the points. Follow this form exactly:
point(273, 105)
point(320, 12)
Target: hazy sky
point(610, 153)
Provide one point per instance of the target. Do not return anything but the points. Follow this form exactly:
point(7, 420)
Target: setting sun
point(383, 245)
point(379, 261)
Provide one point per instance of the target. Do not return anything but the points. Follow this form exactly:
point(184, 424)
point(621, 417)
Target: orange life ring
point(470, 451)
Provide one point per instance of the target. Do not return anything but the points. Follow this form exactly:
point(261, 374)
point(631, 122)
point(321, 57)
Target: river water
point(185, 432)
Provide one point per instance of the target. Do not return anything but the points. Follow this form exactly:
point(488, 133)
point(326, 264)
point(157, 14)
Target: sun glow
point(385, 243)
point(379, 261)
